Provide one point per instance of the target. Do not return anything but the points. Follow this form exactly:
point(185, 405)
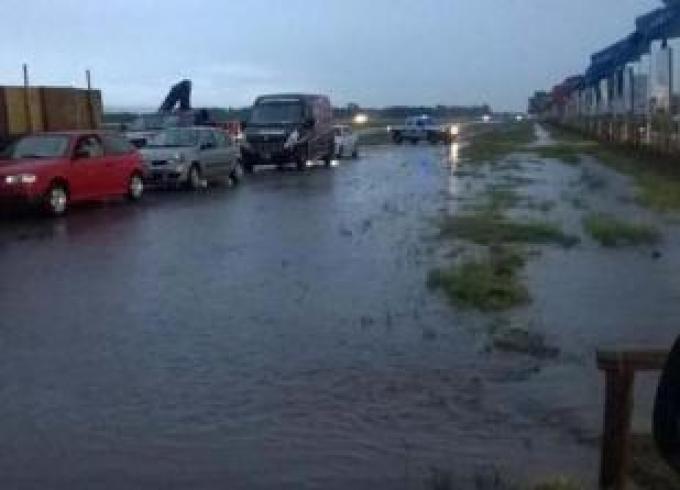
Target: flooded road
point(281, 335)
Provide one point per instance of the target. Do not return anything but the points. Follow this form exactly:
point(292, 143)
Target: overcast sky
point(373, 52)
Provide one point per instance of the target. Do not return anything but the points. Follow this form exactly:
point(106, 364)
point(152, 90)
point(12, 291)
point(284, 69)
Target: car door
point(89, 175)
point(229, 153)
point(209, 153)
point(119, 154)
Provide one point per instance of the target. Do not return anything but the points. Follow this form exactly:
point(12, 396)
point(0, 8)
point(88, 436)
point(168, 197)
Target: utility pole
point(90, 105)
point(27, 101)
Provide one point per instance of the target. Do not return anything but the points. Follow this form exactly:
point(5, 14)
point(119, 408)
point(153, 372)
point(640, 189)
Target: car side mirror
point(81, 154)
point(310, 123)
point(667, 410)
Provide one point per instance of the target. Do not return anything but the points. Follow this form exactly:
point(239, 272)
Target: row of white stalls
point(638, 76)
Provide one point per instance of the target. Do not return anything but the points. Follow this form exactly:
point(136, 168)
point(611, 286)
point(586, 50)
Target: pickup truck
point(424, 128)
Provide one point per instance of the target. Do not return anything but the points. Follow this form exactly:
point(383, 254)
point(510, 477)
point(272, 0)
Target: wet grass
point(565, 153)
point(488, 284)
point(494, 142)
point(542, 205)
point(647, 469)
point(610, 231)
point(521, 341)
point(657, 178)
point(486, 228)
point(559, 484)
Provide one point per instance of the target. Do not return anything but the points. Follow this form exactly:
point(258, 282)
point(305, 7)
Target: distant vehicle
point(289, 128)
point(174, 112)
point(191, 156)
point(345, 142)
point(424, 128)
point(53, 170)
point(139, 131)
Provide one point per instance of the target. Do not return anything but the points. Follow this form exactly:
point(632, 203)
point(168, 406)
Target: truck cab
point(289, 128)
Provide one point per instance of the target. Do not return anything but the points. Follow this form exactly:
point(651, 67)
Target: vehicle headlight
point(177, 158)
point(455, 130)
point(292, 139)
point(20, 179)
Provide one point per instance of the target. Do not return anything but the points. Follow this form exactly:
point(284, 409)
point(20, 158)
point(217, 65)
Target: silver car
point(193, 157)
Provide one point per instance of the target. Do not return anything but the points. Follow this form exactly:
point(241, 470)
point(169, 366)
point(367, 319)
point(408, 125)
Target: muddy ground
point(282, 334)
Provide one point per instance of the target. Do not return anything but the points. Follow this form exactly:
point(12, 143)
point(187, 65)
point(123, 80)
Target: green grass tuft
point(491, 284)
point(613, 232)
point(492, 143)
point(558, 484)
point(487, 228)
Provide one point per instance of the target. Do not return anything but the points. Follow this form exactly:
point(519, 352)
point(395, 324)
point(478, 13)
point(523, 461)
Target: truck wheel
point(414, 141)
point(236, 174)
point(432, 138)
point(398, 138)
point(328, 158)
point(301, 159)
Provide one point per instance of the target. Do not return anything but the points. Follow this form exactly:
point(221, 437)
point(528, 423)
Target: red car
point(53, 170)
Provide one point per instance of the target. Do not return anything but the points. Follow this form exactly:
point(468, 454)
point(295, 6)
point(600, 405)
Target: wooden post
point(27, 101)
point(620, 367)
point(618, 409)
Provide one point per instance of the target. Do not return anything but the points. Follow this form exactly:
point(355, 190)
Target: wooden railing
point(620, 367)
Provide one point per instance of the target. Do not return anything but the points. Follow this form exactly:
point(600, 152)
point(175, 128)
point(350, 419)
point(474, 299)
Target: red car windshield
point(53, 146)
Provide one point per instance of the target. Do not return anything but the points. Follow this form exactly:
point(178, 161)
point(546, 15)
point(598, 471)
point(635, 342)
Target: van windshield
point(279, 112)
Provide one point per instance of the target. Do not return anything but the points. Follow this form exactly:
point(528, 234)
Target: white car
point(345, 142)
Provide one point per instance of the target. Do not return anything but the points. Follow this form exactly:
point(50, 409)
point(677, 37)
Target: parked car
point(53, 170)
point(424, 128)
point(191, 156)
point(146, 126)
point(289, 128)
point(345, 142)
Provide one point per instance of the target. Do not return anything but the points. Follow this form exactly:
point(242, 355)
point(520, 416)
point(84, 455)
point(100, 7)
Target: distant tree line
point(393, 112)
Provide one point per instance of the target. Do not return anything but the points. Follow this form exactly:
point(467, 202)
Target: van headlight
point(20, 179)
point(177, 158)
point(292, 140)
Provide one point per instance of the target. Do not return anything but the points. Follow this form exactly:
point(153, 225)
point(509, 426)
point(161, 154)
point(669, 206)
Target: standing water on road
point(282, 335)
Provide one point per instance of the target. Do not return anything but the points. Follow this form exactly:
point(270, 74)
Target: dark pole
point(27, 101)
point(90, 107)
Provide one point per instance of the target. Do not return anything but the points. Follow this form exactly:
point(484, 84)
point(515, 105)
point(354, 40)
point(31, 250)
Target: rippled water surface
point(280, 335)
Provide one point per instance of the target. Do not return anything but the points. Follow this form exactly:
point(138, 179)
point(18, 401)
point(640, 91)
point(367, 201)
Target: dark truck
point(288, 128)
point(424, 128)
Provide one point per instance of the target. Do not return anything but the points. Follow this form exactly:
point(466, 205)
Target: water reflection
point(454, 181)
point(454, 154)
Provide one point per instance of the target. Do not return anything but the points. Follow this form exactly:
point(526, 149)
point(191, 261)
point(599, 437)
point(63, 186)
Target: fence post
point(618, 410)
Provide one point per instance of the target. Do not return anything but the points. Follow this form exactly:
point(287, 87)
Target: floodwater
point(281, 335)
